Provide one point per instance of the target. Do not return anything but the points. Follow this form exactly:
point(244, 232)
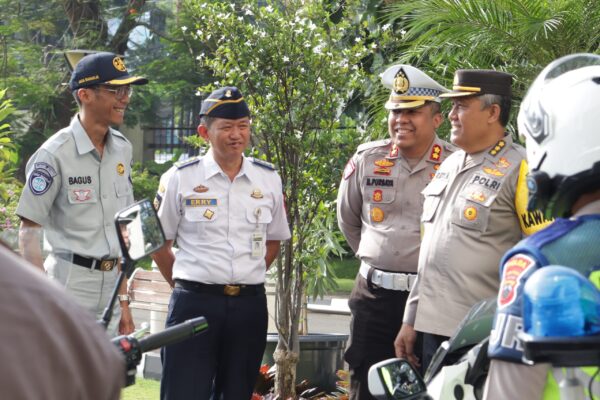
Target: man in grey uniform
point(76, 182)
point(379, 204)
point(52, 348)
point(471, 215)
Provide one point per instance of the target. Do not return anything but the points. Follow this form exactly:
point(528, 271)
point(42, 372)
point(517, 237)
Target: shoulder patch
point(188, 162)
point(261, 163)
point(371, 145)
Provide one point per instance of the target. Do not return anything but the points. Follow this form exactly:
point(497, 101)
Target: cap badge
point(228, 93)
point(377, 195)
point(200, 189)
point(384, 163)
point(377, 214)
point(120, 169)
point(256, 194)
point(401, 83)
point(470, 213)
point(119, 64)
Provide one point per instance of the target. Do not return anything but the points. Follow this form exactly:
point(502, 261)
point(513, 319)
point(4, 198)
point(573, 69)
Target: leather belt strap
point(221, 290)
point(92, 263)
point(387, 280)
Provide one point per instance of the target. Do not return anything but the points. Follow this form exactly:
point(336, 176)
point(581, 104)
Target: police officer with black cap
point(76, 182)
point(475, 209)
point(226, 212)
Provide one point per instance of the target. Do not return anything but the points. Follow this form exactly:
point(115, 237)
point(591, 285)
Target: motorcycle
point(140, 234)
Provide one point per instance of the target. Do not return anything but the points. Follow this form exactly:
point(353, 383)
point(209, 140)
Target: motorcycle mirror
point(139, 230)
point(395, 379)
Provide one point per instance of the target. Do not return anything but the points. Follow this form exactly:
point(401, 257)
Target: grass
point(345, 270)
point(144, 389)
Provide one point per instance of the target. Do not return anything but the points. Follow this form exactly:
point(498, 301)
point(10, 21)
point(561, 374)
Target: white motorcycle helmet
point(560, 119)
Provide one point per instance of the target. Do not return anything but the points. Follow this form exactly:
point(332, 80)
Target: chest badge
point(377, 214)
point(383, 171)
point(200, 189)
point(208, 214)
point(377, 195)
point(502, 163)
point(120, 169)
point(81, 194)
point(493, 171)
point(470, 213)
point(256, 194)
point(384, 163)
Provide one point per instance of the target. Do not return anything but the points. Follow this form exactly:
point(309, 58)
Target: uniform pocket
point(259, 215)
point(470, 214)
point(433, 196)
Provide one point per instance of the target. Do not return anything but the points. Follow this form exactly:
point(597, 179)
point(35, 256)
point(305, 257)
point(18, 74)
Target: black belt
point(222, 290)
point(87, 262)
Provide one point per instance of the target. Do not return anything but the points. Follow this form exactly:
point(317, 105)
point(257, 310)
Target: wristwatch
point(124, 297)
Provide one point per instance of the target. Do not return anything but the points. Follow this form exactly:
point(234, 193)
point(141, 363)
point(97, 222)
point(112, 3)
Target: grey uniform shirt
point(380, 201)
point(75, 195)
point(221, 226)
point(470, 220)
point(52, 349)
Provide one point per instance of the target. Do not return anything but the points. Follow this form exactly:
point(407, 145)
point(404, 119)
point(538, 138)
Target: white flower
point(184, 28)
point(403, 32)
point(286, 59)
point(302, 70)
point(319, 80)
point(373, 45)
point(249, 12)
point(312, 26)
point(386, 27)
point(358, 39)
point(269, 9)
point(240, 18)
point(200, 56)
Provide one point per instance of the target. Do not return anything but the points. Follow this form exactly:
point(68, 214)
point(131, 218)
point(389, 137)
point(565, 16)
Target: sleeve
point(167, 203)
point(509, 381)
point(508, 321)
point(278, 228)
point(530, 221)
point(41, 188)
point(410, 309)
point(349, 204)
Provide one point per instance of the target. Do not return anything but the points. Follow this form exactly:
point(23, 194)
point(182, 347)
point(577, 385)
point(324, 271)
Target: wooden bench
point(148, 290)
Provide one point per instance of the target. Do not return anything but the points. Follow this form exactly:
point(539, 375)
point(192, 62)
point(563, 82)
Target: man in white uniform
point(227, 214)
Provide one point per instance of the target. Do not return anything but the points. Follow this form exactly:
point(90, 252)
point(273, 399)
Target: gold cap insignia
point(119, 64)
point(256, 194)
point(401, 83)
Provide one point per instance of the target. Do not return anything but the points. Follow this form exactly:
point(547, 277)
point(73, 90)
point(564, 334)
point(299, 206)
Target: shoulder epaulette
point(188, 162)
point(262, 163)
point(370, 145)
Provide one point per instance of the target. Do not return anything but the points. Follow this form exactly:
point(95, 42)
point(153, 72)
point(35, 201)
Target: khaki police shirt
point(380, 201)
point(75, 195)
point(52, 349)
point(221, 226)
point(470, 220)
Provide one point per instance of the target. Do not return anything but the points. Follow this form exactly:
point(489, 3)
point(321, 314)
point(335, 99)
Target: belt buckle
point(401, 282)
point(231, 290)
point(107, 265)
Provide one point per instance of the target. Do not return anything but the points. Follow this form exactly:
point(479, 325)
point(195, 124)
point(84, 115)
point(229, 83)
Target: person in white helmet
point(559, 118)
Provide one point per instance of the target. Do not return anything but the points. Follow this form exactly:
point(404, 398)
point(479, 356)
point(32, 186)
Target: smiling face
point(228, 138)
point(105, 106)
point(471, 123)
point(412, 130)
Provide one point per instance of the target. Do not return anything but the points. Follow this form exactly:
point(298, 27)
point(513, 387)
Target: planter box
point(321, 355)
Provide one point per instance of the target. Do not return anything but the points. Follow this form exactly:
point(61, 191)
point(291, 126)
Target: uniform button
point(104, 196)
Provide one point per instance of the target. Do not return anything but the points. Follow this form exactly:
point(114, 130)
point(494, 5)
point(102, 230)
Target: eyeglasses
point(119, 91)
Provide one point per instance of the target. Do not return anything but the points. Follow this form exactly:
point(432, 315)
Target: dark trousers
point(431, 343)
point(376, 319)
point(223, 361)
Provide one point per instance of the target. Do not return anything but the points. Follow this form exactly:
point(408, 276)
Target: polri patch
point(377, 195)
point(41, 178)
point(200, 202)
point(514, 269)
point(377, 214)
point(470, 213)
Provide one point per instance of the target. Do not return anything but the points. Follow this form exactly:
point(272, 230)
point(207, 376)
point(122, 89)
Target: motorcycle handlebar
point(173, 334)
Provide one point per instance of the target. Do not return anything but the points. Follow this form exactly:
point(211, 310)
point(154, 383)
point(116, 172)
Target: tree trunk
point(285, 379)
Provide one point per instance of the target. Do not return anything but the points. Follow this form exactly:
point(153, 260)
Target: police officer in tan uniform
point(379, 204)
point(471, 216)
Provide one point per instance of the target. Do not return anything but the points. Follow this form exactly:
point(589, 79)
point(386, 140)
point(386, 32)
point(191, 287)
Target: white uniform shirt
point(75, 195)
point(215, 220)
